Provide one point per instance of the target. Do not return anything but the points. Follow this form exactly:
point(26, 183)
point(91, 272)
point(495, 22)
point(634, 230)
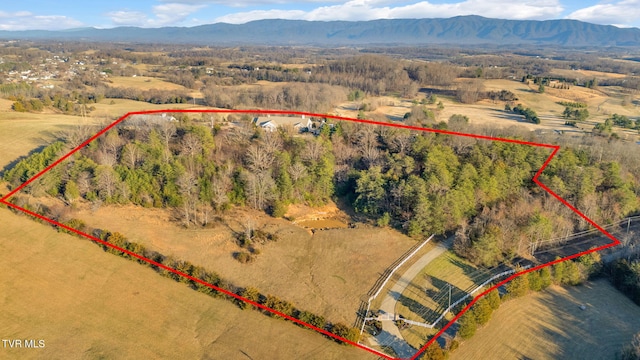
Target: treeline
point(623, 121)
point(578, 114)
point(270, 301)
point(625, 276)
point(572, 272)
point(153, 96)
point(30, 166)
point(528, 113)
point(311, 97)
point(68, 103)
point(373, 74)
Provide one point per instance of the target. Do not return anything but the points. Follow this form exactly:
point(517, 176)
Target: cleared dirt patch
point(323, 224)
point(551, 325)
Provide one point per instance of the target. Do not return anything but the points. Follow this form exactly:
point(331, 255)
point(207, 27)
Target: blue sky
point(65, 14)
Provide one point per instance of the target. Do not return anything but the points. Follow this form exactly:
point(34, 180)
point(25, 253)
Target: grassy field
point(602, 102)
point(86, 303)
point(550, 325)
point(326, 272)
point(144, 83)
point(426, 298)
point(23, 132)
point(148, 83)
point(114, 108)
point(89, 304)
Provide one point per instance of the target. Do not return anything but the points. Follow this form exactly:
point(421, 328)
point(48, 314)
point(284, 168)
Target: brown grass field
point(87, 304)
point(602, 102)
point(144, 83)
point(21, 133)
point(550, 325)
point(119, 107)
point(326, 272)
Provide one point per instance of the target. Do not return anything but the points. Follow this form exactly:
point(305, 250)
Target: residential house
point(272, 123)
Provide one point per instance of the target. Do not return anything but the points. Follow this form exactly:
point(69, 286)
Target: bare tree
point(368, 145)
point(107, 183)
point(84, 182)
point(191, 145)
point(187, 186)
point(313, 151)
point(469, 92)
point(78, 134)
point(272, 142)
point(220, 184)
point(258, 159)
point(400, 141)
point(131, 155)
point(259, 189)
point(167, 130)
point(297, 171)
point(343, 152)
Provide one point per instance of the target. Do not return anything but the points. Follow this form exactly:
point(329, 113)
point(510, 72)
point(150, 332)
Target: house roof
point(281, 121)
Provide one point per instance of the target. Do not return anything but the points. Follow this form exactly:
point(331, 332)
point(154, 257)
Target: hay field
point(550, 325)
point(327, 272)
point(115, 108)
point(144, 83)
point(21, 133)
point(86, 303)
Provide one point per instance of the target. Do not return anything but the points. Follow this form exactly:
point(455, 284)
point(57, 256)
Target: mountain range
point(460, 30)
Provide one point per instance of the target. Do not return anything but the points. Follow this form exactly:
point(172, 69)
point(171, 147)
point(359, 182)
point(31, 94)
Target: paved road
point(390, 334)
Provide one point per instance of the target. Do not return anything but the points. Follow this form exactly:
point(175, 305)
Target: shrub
point(243, 257)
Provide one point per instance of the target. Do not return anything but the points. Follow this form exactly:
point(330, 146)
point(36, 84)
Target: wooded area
point(421, 183)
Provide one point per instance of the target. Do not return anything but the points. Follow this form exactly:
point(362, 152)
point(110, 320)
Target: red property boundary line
point(556, 148)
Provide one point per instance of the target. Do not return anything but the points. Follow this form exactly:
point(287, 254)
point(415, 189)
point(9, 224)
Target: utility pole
point(628, 225)
point(449, 297)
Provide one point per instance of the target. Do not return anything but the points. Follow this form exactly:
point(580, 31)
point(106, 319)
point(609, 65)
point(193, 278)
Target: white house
point(272, 123)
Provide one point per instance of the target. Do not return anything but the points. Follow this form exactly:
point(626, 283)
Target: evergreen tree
point(467, 324)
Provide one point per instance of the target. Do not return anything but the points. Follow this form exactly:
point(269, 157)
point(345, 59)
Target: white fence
point(382, 285)
point(398, 266)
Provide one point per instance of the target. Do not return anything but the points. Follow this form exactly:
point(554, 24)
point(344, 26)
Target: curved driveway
point(390, 334)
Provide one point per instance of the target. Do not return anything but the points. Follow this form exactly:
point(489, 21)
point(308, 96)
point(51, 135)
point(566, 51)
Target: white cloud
point(245, 3)
point(163, 15)
point(243, 17)
point(625, 13)
point(25, 20)
point(375, 9)
point(123, 17)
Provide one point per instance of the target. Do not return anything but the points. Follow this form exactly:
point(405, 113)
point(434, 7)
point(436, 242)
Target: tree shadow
point(442, 296)
point(400, 348)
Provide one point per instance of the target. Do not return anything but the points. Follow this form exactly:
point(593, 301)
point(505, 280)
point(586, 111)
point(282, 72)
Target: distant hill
point(461, 30)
